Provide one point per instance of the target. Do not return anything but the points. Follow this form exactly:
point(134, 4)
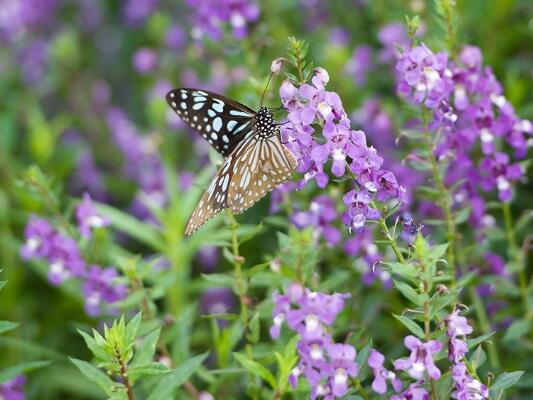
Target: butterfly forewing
point(223, 122)
point(255, 167)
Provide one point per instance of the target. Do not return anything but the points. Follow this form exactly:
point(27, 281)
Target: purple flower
point(175, 37)
point(341, 366)
point(413, 392)
point(65, 259)
point(390, 36)
point(467, 387)
point(320, 215)
point(208, 257)
point(99, 289)
point(360, 64)
point(136, 11)
point(145, 60)
point(421, 358)
point(88, 177)
point(211, 15)
point(381, 374)
point(88, 217)
point(423, 76)
point(409, 228)
point(13, 389)
point(39, 235)
point(217, 300)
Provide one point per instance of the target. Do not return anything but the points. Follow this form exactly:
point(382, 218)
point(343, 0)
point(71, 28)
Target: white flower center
point(486, 136)
point(341, 378)
point(237, 20)
point(311, 322)
point(324, 109)
point(95, 221)
point(503, 184)
point(278, 319)
point(338, 154)
point(32, 244)
point(499, 101)
point(419, 367)
point(316, 352)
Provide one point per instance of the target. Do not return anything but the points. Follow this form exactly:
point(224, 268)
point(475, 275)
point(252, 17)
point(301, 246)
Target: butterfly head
point(265, 124)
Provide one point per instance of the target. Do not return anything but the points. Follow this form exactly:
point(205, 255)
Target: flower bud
point(276, 65)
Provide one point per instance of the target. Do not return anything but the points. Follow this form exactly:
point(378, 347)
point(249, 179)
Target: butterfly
point(255, 159)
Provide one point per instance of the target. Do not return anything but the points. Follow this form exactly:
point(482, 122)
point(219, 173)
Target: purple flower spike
point(88, 217)
point(65, 260)
point(421, 358)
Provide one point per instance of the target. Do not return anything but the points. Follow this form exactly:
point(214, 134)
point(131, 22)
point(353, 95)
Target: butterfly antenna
point(266, 87)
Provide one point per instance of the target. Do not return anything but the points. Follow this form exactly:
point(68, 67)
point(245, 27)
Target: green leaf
point(11, 372)
point(517, 329)
point(257, 369)
point(7, 326)
point(171, 382)
point(95, 375)
point(506, 380)
point(254, 326)
point(362, 355)
point(408, 292)
point(438, 251)
point(131, 329)
point(480, 339)
point(148, 369)
point(131, 226)
point(220, 279)
point(97, 349)
point(146, 350)
point(411, 325)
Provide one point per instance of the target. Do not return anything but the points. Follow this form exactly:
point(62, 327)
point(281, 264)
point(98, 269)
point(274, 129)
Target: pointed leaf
point(257, 369)
point(411, 325)
point(95, 375)
point(11, 372)
point(171, 382)
point(506, 380)
point(7, 326)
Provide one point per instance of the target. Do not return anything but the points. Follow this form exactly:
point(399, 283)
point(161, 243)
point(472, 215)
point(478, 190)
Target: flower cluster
point(326, 365)
point(211, 15)
point(381, 374)
point(62, 253)
point(310, 105)
point(466, 386)
point(13, 389)
point(471, 112)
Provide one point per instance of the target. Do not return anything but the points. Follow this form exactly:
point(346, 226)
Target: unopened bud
point(276, 65)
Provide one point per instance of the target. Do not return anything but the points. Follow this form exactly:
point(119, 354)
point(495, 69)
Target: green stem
point(389, 237)
point(360, 388)
point(444, 197)
point(515, 255)
point(238, 261)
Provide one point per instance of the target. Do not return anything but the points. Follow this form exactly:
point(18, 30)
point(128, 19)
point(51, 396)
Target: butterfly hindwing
point(265, 164)
point(221, 121)
point(256, 167)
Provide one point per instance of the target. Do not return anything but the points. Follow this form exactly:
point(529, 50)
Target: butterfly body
point(255, 159)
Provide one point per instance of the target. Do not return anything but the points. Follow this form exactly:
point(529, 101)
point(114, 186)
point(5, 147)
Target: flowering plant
point(394, 264)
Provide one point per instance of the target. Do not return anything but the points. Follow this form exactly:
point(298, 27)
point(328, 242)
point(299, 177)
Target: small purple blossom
point(381, 374)
point(13, 389)
point(145, 60)
point(88, 217)
point(65, 259)
point(320, 215)
point(421, 358)
point(217, 300)
point(360, 64)
point(99, 289)
point(39, 235)
point(415, 391)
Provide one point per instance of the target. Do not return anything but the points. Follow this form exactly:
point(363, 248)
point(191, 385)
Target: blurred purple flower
point(136, 11)
point(175, 37)
point(390, 36)
point(217, 300)
point(320, 215)
point(208, 257)
point(88, 217)
point(421, 358)
point(145, 60)
point(99, 289)
point(17, 17)
point(360, 64)
point(339, 36)
point(87, 177)
point(65, 260)
point(211, 15)
point(39, 235)
point(13, 389)
point(32, 60)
